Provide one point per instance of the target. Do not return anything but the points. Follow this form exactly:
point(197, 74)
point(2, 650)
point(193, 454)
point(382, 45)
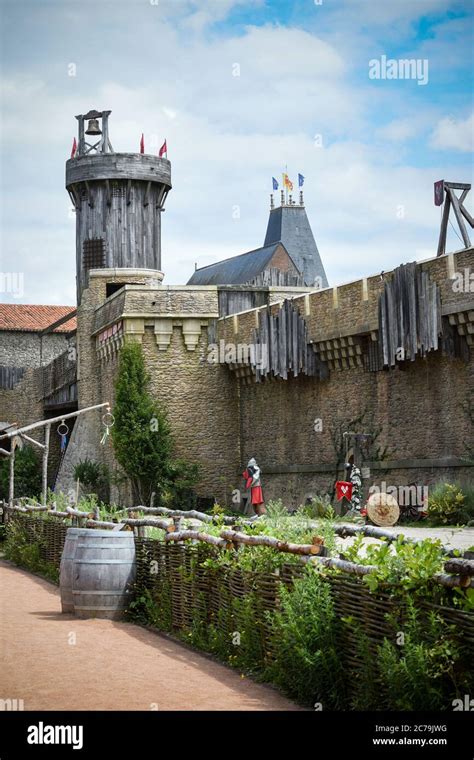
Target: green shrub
point(319, 506)
point(419, 674)
point(142, 438)
point(308, 662)
point(93, 476)
point(399, 566)
point(451, 503)
point(27, 474)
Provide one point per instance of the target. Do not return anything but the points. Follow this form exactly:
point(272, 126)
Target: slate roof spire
point(289, 224)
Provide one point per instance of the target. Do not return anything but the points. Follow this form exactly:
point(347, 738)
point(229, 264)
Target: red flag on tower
point(142, 144)
point(163, 150)
point(74, 148)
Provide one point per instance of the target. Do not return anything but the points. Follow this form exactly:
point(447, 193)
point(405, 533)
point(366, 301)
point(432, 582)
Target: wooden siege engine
point(118, 199)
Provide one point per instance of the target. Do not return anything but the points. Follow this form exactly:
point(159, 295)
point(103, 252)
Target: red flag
point(142, 144)
point(439, 192)
point(74, 148)
point(343, 490)
point(163, 150)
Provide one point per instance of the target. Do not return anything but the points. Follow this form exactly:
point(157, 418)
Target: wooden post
point(444, 226)
point(178, 523)
point(11, 483)
point(45, 464)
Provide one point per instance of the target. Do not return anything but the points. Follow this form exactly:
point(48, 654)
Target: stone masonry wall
point(420, 411)
point(23, 405)
point(201, 398)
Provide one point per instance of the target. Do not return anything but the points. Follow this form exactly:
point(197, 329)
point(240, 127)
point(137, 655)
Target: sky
point(240, 89)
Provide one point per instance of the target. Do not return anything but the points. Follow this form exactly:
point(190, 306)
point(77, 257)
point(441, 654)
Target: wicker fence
point(48, 535)
point(177, 580)
point(186, 589)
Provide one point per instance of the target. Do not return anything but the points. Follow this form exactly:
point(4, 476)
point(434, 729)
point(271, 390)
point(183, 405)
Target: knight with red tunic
point(253, 483)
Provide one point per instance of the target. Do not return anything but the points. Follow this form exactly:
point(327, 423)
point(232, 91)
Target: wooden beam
point(460, 220)
point(44, 489)
point(461, 566)
point(89, 195)
point(147, 193)
point(42, 423)
point(444, 226)
point(11, 482)
point(32, 440)
point(58, 323)
point(458, 185)
point(108, 193)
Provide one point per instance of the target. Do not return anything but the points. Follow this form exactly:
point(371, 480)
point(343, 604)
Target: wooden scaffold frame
point(21, 433)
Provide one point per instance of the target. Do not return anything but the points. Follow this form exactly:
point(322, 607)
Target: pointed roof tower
point(289, 224)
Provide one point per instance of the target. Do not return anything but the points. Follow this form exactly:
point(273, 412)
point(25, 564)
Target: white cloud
point(226, 137)
point(399, 130)
point(452, 134)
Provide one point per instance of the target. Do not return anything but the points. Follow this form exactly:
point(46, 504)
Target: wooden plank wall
point(233, 301)
point(57, 375)
point(409, 315)
point(10, 377)
point(282, 346)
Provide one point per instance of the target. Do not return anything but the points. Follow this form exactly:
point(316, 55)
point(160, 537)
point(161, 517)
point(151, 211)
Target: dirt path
point(111, 666)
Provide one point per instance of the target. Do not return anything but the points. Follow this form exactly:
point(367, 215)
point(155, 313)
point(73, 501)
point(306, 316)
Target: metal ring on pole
point(108, 419)
point(62, 432)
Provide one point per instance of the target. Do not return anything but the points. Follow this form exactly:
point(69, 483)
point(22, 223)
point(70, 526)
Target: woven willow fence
point(48, 535)
point(179, 583)
point(188, 591)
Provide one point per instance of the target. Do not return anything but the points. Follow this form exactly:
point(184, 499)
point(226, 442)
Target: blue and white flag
point(275, 183)
point(300, 180)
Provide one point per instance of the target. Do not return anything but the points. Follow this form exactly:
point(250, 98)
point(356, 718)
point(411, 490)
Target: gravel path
point(111, 666)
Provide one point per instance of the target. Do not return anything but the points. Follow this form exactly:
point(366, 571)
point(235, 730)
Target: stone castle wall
point(23, 404)
point(201, 398)
point(420, 412)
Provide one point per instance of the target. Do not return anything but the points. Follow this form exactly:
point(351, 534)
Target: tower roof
point(236, 270)
point(289, 225)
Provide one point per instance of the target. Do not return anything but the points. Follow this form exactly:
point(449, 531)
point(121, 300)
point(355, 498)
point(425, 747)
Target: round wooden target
point(383, 509)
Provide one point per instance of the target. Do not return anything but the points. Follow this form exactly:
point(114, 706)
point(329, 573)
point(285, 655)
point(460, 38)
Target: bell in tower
point(93, 127)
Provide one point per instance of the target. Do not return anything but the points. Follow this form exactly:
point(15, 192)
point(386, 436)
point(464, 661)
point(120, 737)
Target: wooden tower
point(118, 199)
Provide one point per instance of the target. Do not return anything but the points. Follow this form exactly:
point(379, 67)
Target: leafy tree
point(27, 473)
point(142, 437)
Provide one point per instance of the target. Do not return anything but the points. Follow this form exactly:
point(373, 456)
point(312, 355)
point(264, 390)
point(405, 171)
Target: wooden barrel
point(103, 573)
point(65, 568)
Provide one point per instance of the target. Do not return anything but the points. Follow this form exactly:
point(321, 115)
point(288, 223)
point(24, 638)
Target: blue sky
point(370, 149)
